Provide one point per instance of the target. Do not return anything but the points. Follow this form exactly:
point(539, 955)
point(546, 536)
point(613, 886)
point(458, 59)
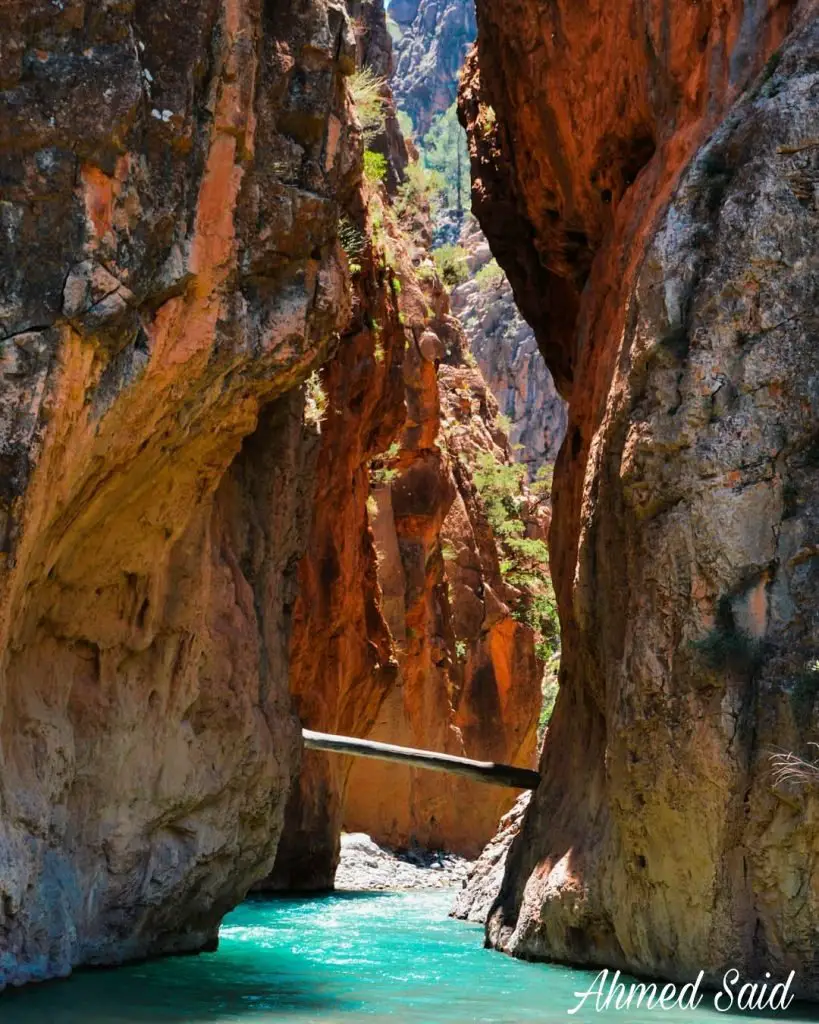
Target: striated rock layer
point(659, 227)
point(169, 276)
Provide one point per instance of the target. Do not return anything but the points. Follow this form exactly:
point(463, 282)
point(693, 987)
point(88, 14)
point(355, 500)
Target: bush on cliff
point(450, 261)
point(524, 561)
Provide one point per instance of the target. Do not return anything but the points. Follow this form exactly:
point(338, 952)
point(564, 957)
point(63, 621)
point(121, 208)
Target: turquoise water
point(347, 958)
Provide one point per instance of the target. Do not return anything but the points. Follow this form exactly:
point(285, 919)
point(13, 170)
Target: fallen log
point(483, 771)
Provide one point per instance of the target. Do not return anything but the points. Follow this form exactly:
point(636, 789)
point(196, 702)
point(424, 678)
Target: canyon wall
point(431, 43)
point(507, 354)
point(468, 678)
point(373, 650)
point(170, 186)
point(647, 175)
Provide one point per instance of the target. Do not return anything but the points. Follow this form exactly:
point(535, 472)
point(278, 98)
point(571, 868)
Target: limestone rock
point(366, 865)
point(434, 38)
point(508, 356)
point(169, 276)
point(663, 248)
point(483, 883)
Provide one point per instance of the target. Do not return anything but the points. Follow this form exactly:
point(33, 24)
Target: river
point(343, 958)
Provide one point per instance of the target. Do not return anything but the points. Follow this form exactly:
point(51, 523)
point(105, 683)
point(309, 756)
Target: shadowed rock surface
point(485, 878)
point(658, 222)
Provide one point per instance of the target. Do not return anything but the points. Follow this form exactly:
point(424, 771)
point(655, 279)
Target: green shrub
point(504, 422)
point(375, 167)
point(445, 150)
point(381, 473)
point(448, 552)
point(451, 264)
point(366, 89)
point(315, 400)
point(524, 561)
point(489, 276)
point(419, 188)
point(542, 484)
point(550, 692)
point(352, 242)
point(405, 124)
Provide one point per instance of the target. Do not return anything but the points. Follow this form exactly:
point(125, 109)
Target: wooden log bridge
point(483, 771)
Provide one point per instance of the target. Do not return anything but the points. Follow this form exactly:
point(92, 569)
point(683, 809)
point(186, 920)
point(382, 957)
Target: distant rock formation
point(430, 47)
point(508, 356)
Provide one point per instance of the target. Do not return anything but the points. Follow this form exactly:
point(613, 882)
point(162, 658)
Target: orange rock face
point(468, 682)
point(170, 275)
point(659, 193)
point(381, 615)
point(341, 663)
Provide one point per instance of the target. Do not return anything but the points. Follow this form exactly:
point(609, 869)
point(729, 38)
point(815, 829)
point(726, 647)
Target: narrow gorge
point(291, 439)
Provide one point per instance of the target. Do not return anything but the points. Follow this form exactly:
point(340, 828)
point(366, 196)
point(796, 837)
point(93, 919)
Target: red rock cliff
point(648, 182)
point(469, 681)
point(379, 622)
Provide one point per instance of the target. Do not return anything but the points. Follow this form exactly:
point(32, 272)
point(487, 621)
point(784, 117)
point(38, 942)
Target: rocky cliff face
point(430, 46)
point(659, 227)
point(469, 681)
point(341, 654)
point(374, 605)
point(170, 183)
point(341, 662)
point(508, 356)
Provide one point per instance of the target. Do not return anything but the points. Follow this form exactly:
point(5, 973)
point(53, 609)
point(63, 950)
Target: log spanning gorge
point(325, 502)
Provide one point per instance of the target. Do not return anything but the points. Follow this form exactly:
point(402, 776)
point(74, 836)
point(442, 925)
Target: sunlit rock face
point(507, 353)
point(430, 44)
point(468, 680)
point(659, 228)
point(170, 275)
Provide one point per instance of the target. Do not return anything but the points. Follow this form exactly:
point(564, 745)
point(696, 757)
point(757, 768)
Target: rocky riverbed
point(366, 865)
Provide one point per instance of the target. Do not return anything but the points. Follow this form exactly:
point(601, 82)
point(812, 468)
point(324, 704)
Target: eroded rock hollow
point(646, 173)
